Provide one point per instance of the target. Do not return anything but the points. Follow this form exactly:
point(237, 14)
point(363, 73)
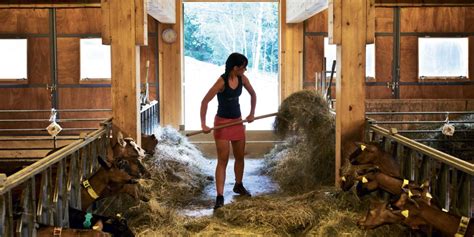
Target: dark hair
point(235, 59)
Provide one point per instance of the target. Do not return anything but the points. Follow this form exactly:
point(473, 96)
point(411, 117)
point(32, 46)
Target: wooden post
point(125, 67)
point(350, 77)
point(291, 57)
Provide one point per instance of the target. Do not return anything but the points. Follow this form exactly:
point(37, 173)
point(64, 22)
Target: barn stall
point(54, 81)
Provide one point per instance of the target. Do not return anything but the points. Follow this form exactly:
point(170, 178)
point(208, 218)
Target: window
point(330, 55)
point(370, 61)
point(13, 59)
point(95, 60)
point(443, 58)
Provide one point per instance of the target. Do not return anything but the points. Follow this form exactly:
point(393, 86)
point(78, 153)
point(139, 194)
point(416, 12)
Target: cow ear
point(121, 140)
point(104, 163)
point(361, 145)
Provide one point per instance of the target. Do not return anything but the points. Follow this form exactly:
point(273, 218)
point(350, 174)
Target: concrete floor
point(256, 183)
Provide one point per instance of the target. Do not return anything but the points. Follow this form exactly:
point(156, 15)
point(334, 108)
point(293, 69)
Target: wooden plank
point(350, 80)
point(370, 11)
point(299, 10)
point(314, 60)
point(69, 61)
point(383, 59)
point(163, 11)
point(125, 81)
point(170, 74)
point(49, 5)
point(317, 23)
point(141, 23)
point(105, 27)
point(335, 21)
point(39, 61)
point(409, 59)
point(383, 19)
point(378, 92)
point(79, 21)
point(34, 21)
point(441, 19)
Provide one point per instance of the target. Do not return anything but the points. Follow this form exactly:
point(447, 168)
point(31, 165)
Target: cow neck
point(443, 221)
point(98, 182)
point(388, 183)
point(388, 165)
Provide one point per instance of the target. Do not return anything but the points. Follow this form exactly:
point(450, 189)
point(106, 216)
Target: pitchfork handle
point(230, 124)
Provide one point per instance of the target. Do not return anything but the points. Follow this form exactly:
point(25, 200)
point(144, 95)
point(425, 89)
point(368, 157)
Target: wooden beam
point(334, 21)
point(125, 69)
point(370, 12)
point(299, 10)
point(170, 68)
point(105, 27)
point(141, 23)
point(163, 11)
point(291, 56)
point(350, 78)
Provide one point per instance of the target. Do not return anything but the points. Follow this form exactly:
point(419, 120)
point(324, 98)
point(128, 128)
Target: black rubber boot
point(240, 189)
point(219, 202)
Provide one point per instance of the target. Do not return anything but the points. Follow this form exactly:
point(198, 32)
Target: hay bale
point(306, 158)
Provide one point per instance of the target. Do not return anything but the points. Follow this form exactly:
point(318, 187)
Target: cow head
point(149, 143)
point(380, 213)
point(366, 153)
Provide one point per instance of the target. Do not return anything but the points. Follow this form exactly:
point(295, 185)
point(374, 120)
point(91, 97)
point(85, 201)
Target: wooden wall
point(72, 24)
point(414, 22)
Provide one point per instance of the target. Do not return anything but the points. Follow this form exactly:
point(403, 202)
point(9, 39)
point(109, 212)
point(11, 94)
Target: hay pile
point(178, 178)
point(305, 160)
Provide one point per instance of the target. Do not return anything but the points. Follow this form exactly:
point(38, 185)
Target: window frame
point(441, 78)
point(92, 80)
point(19, 80)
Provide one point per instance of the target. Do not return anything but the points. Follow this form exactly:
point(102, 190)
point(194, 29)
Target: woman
point(228, 88)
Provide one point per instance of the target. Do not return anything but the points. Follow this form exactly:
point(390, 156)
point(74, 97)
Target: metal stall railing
point(149, 117)
point(58, 178)
point(450, 177)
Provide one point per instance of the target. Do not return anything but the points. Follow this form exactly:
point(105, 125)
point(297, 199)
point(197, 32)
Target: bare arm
point(218, 86)
point(253, 98)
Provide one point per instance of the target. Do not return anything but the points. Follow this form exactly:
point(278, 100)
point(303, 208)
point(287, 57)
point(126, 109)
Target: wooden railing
point(450, 178)
point(59, 175)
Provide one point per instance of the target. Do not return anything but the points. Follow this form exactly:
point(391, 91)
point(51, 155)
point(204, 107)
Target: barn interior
point(362, 89)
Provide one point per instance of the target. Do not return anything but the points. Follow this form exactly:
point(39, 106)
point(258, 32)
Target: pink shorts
point(232, 133)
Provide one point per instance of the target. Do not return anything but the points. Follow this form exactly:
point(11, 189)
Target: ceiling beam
point(163, 11)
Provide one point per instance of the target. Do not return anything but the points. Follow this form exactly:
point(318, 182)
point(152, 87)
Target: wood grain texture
point(383, 19)
point(24, 21)
point(317, 23)
point(433, 19)
point(39, 61)
point(314, 60)
point(68, 60)
point(409, 59)
point(383, 59)
point(125, 69)
point(378, 92)
point(170, 74)
point(141, 23)
point(79, 21)
point(105, 24)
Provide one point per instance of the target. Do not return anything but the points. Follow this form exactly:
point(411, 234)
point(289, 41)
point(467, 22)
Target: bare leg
point(222, 160)
point(238, 147)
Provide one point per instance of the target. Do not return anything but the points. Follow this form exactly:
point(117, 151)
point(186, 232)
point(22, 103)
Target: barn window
point(443, 58)
point(95, 60)
point(330, 55)
point(13, 59)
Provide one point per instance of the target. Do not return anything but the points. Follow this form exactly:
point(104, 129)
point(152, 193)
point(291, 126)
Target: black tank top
point(228, 99)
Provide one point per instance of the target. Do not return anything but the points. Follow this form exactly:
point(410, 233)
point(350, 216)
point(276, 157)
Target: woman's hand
point(205, 128)
point(250, 118)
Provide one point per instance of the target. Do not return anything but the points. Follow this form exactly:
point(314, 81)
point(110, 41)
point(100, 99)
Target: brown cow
point(380, 213)
point(371, 153)
point(48, 231)
point(149, 143)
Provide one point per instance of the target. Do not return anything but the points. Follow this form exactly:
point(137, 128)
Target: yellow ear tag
point(362, 147)
point(405, 213)
point(442, 209)
point(364, 180)
point(343, 178)
point(410, 194)
point(422, 185)
point(405, 182)
point(428, 195)
point(96, 227)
